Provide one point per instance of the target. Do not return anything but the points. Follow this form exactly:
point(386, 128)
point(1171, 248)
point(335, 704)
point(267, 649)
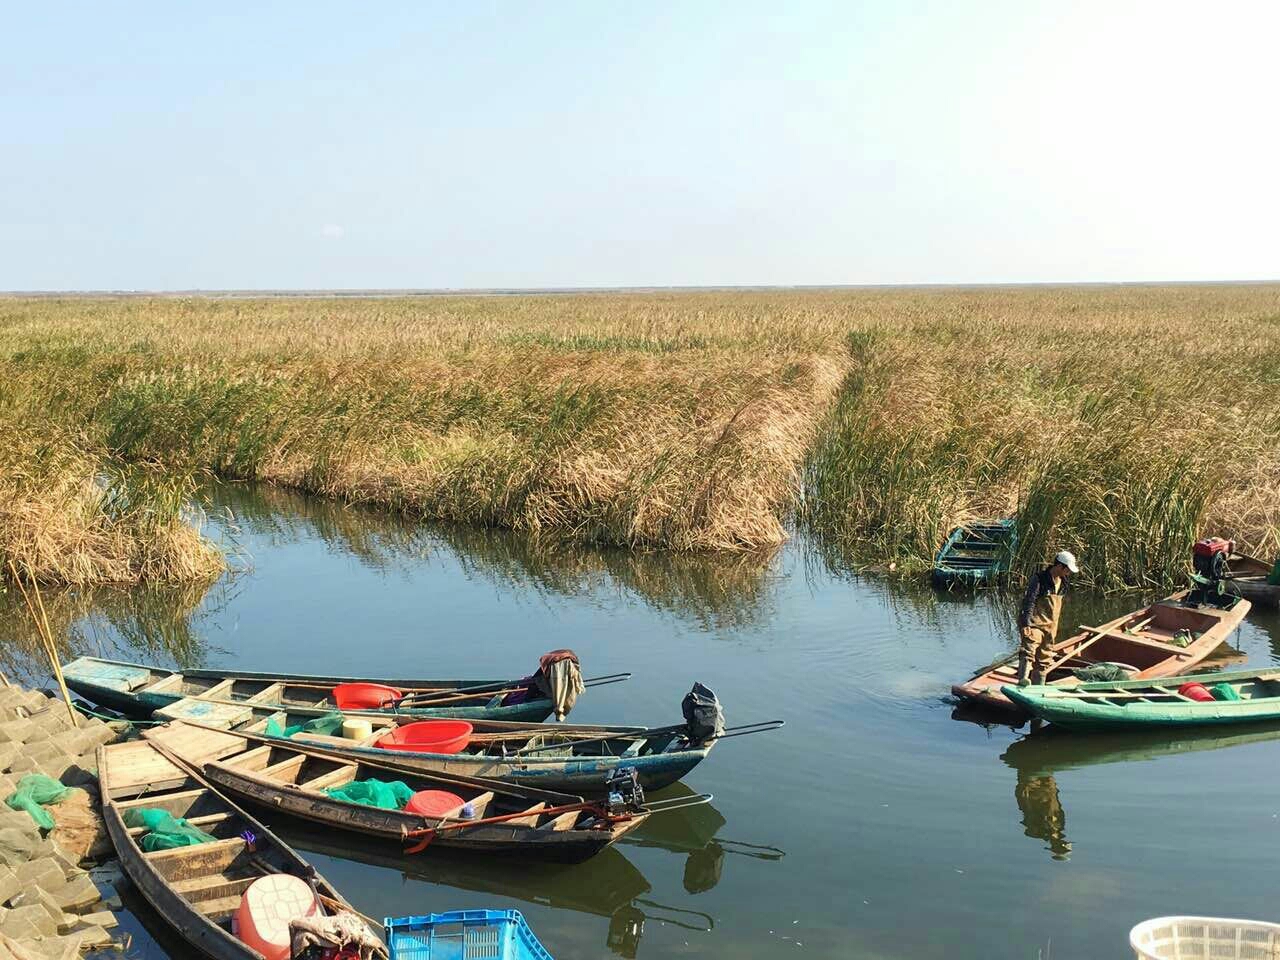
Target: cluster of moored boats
point(410, 765)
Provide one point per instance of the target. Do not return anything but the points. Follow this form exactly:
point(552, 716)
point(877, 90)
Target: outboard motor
point(624, 791)
point(702, 714)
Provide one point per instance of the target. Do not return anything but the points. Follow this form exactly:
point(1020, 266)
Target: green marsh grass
point(1120, 421)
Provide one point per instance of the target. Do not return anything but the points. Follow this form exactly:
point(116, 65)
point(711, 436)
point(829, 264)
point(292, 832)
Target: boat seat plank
point(113, 676)
point(333, 778)
point(532, 819)
point(214, 714)
point(216, 886)
point(564, 821)
point(136, 764)
point(196, 743)
point(284, 768)
point(269, 694)
point(195, 860)
point(208, 820)
point(154, 799)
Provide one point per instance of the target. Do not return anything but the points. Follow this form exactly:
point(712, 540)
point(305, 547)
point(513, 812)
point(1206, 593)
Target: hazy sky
point(463, 144)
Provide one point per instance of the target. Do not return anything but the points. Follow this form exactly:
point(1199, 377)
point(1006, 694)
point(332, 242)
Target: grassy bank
point(1120, 421)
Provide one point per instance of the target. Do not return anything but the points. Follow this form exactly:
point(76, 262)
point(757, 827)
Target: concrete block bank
point(51, 904)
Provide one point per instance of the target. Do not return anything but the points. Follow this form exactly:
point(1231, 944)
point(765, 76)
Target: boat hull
point(98, 680)
point(580, 775)
point(1071, 707)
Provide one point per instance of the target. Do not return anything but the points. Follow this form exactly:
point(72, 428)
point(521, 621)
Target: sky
point(162, 146)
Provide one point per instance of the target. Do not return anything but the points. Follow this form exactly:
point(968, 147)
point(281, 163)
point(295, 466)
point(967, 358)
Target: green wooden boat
point(976, 553)
point(1155, 703)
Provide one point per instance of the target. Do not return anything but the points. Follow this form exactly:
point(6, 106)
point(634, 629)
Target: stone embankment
point(56, 889)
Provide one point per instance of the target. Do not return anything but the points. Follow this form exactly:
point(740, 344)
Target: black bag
point(702, 714)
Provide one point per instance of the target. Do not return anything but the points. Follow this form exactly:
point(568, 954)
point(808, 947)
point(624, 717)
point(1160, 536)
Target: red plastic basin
point(433, 803)
point(364, 696)
point(1195, 691)
point(428, 736)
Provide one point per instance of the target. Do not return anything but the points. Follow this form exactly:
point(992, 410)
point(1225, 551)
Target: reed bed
point(1119, 421)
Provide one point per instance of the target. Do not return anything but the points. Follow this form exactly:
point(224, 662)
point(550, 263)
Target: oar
point(739, 731)
point(503, 686)
point(41, 621)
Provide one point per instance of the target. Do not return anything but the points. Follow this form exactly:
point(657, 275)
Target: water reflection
point(163, 622)
point(694, 831)
point(714, 591)
point(1046, 751)
point(608, 885)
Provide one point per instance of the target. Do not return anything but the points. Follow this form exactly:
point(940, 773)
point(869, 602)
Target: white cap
point(1068, 560)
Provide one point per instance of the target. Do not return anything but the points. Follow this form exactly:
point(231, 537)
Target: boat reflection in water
point(1047, 751)
point(607, 885)
point(694, 832)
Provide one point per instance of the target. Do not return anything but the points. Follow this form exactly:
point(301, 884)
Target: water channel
point(875, 824)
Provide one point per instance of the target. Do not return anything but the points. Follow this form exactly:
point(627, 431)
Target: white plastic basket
point(1205, 938)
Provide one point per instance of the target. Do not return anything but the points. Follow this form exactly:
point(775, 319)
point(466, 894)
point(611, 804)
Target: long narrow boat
point(572, 758)
point(1146, 703)
point(139, 690)
point(1162, 640)
point(507, 819)
point(1250, 578)
point(199, 888)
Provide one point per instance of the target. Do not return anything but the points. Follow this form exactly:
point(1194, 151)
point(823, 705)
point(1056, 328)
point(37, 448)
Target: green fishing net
point(1101, 672)
point(329, 725)
point(386, 795)
point(1224, 691)
point(164, 830)
point(34, 790)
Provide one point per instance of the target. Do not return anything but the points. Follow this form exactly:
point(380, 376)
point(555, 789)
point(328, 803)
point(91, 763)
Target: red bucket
point(1195, 691)
point(428, 736)
point(364, 696)
point(433, 803)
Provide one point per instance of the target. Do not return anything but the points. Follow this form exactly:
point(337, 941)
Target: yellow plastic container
point(356, 728)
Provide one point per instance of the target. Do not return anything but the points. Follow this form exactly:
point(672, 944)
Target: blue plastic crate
point(464, 935)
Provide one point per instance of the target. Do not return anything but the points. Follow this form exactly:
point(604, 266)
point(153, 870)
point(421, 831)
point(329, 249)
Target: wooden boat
point(976, 553)
point(1147, 703)
point(1146, 642)
point(572, 758)
point(508, 819)
point(196, 889)
point(1248, 578)
point(139, 690)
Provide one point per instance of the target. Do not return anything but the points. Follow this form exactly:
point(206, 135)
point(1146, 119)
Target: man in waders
point(1038, 618)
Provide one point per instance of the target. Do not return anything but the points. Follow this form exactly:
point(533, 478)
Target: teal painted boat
point(139, 690)
point(976, 553)
point(1240, 696)
point(568, 757)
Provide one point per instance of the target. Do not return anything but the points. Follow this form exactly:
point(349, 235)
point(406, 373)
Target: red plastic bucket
point(433, 803)
point(429, 736)
point(364, 696)
point(1195, 691)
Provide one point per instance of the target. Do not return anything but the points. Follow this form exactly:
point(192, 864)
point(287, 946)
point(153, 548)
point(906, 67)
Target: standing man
point(1038, 618)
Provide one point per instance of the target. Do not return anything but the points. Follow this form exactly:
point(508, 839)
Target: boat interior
point(281, 765)
point(1139, 640)
point(488, 738)
point(1261, 687)
point(212, 876)
point(134, 678)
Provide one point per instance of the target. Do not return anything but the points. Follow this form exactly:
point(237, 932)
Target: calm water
point(874, 825)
